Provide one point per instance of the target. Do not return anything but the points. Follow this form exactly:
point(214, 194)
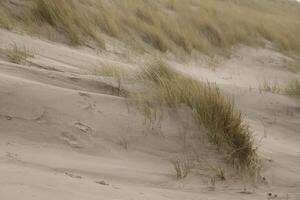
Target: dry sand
point(63, 136)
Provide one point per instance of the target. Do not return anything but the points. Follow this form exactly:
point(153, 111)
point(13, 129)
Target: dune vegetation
point(167, 88)
point(293, 87)
point(17, 55)
point(206, 26)
point(217, 113)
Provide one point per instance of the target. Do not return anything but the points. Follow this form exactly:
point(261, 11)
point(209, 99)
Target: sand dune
point(65, 136)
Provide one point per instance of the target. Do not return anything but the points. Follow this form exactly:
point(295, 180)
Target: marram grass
point(206, 26)
point(217, 113)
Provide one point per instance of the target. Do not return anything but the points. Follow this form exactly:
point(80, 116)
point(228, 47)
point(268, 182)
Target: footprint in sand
point(73, 78)
point(8, 117)
point(84, 94)
point(70, 139)
point(87, 107)
point(88, 103)
point(72, 175)
point(84, 128)
point(102, 183)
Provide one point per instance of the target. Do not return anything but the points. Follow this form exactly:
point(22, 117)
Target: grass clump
point(217, 113)
point(267, 86)
point(293, 87)
point(17, 55)
point(182, 168)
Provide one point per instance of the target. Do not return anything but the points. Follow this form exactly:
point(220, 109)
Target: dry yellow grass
point(207, 26)
point(217, 113)
point(17, 55)
point(117, 73)
point(111, 71)
point(270, 86)
point(182, 168)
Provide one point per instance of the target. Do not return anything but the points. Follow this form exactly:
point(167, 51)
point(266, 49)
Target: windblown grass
point(217, 113)
point(111, 71)
point(117, 74)
point(60, 14)
point(206, 26)
point(68, 16)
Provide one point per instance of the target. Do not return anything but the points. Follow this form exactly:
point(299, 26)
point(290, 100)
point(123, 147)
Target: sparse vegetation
point(111, 71)
point(211, 109)
point(268, 86)
point(209, 26)
point(115, 72)
point(293, 87)
point(182, 168)
point(219, 173)
point(17, 55)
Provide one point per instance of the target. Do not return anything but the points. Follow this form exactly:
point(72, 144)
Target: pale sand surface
point(62, 131)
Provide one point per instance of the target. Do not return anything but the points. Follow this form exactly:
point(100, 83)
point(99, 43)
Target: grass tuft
point(267, 86)
point(217, 113)
point(17, 55)
point(182, 168)
point(293, 87)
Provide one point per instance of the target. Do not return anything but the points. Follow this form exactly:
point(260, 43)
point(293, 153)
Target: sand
point(64, 136)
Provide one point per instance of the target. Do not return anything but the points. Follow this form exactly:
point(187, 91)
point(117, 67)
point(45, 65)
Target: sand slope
point(64, 136)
